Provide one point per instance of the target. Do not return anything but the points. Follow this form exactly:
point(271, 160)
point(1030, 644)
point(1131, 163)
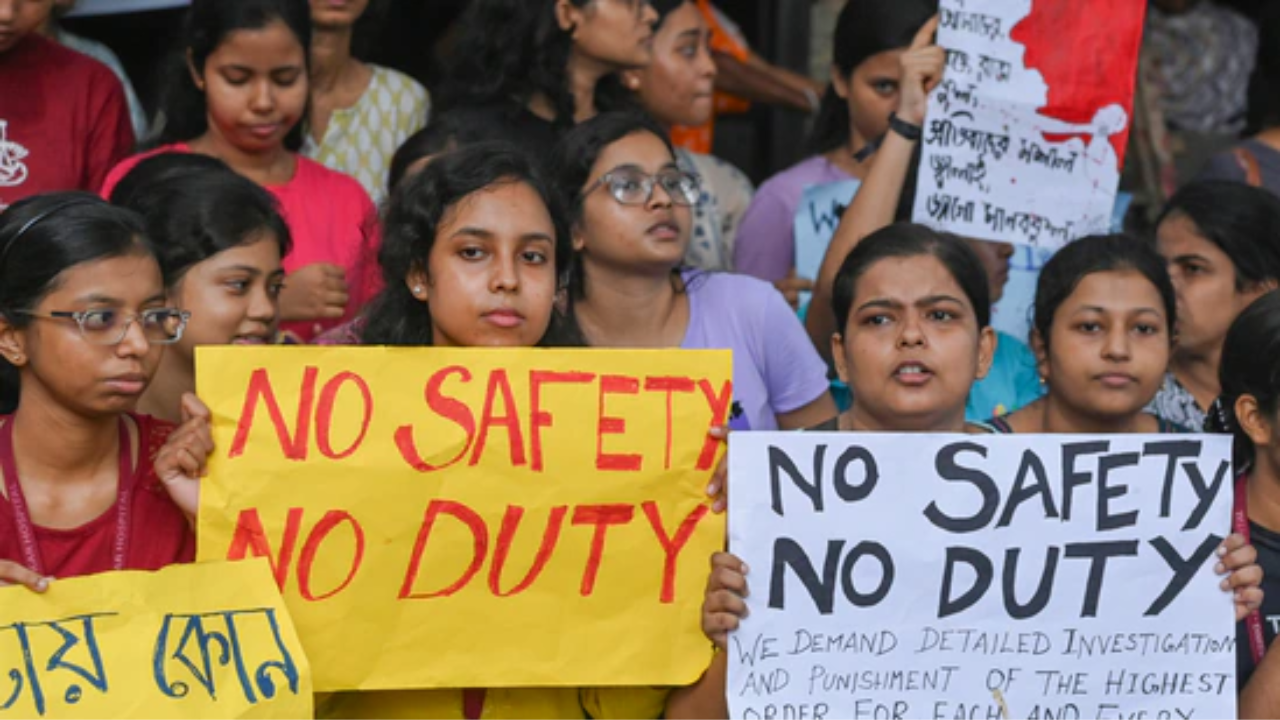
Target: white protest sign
point(817, 218)
point(1026, 576)
point(1024, 138)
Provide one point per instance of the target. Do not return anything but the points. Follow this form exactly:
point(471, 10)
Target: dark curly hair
point(512, 50)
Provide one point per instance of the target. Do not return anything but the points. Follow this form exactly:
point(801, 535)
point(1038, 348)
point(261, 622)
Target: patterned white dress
point(361, 140)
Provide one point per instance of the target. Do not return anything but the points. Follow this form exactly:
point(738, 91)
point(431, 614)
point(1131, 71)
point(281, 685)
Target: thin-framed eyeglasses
point(160, 326)
point(632, 186)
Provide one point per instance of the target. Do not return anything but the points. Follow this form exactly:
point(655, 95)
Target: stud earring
point(417, 289)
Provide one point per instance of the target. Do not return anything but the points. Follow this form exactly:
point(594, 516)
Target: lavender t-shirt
point(776, 369)
point(766, 244)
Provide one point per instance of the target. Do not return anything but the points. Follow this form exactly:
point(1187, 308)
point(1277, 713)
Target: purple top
point(766, 245)
point(776, 369)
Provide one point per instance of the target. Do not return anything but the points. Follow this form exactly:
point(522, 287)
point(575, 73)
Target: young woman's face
point(337, 14)
point(678, 87)
point(912, 349)
point(651, 236)
point(1205, 278)
point(871, 93)
point(618, 33)
point(491, 275)
point(255, 84)
point(233, 296)
point(60, 366)
point(1109, 346)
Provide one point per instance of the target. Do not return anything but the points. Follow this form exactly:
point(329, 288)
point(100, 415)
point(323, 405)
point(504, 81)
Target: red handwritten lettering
point(603, 517)
point(311, 547)
point(671, 546)
point(539, 418)
point(669, 385)
point(719, 404)
point(479, 549)
point(324, 414)
point(446, 407)
point(615, 385)
point(510, 524)
point(294, 445)
point(251, 539)
point(510, 419)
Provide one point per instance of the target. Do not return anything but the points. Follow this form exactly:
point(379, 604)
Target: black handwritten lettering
point(952, 94)
point(946, 133)
point(194, 641)
point(949, 208)
point(1032, 153)
point(945, 169)
point(1098, 553)
point(1183, 570)
point(788, 553)
point(948, 604)
point(73, 632)
point(999, 219)
point(994, 69)
point(949, 469)
point(1107, 492)
point(1030, 466)
point(1038, 601)
point(987, 26)
point(781, 462)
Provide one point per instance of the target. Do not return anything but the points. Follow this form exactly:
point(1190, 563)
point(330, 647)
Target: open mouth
point(913, 374)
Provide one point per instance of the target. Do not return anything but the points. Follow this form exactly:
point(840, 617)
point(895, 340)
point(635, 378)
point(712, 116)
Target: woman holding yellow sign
point(83, 321)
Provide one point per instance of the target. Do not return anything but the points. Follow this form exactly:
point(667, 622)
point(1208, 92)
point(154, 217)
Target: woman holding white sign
point(912, 307)
point(914, 310)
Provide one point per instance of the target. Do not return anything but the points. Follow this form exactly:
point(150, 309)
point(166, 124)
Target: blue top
point(1012, 383)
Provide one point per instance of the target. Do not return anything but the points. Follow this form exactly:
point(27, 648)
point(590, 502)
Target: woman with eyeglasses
point(83, 322)
point(630, 209)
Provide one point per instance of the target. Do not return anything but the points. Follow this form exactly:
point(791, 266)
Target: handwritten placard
point(473, 518)
point(821, 208)
point(211, 640)
point(1026, 133)
point(900, 576)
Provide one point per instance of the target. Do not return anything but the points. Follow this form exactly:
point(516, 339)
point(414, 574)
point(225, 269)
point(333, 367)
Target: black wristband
point(904, 128)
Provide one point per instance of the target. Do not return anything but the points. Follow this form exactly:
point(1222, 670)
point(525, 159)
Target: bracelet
point(904, 128)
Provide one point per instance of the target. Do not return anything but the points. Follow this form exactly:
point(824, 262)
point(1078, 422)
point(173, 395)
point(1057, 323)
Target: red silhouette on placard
point(1096, 66)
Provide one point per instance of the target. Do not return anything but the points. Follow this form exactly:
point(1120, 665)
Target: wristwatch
point(904, 128)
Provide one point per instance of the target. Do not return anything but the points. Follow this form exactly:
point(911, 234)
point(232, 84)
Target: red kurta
point(64, 121)
point(159, 533)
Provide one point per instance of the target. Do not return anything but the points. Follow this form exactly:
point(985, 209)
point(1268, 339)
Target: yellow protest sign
point(211, 640)
point(473, 518)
